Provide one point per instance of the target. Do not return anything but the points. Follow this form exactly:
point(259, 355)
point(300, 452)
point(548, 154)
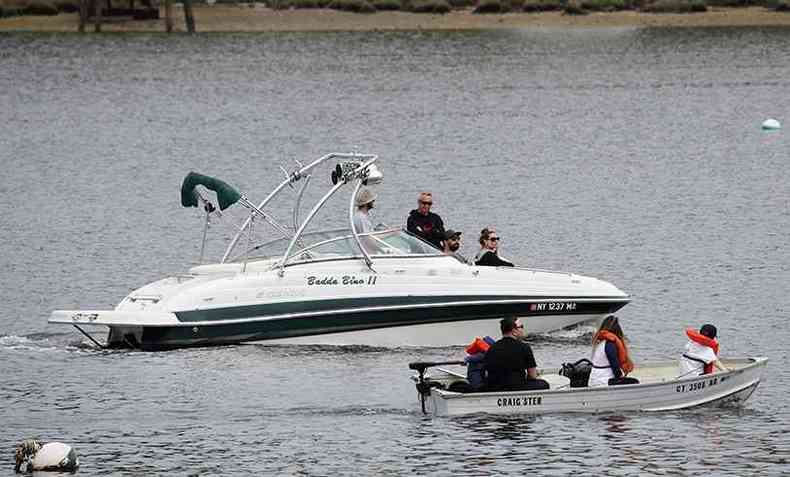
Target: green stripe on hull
point(350, 305)
point(156, 338)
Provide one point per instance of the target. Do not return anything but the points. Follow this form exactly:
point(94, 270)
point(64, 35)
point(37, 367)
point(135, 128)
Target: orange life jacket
point(703, 340)
point(479, 345)
point(622, 352)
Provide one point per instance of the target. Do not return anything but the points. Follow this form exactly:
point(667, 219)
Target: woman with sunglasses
point(489, 244)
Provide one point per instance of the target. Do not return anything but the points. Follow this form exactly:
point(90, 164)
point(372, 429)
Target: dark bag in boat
point(578, 372)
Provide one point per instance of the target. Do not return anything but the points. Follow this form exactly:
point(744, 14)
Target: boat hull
point(424, 301)
point(403, 326)
point(654, 394)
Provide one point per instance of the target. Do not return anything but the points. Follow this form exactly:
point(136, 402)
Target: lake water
point(634, 155)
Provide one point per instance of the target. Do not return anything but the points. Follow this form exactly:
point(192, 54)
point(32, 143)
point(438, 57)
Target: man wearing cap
point(424, 223)
point(452, 242)
point(365, 199)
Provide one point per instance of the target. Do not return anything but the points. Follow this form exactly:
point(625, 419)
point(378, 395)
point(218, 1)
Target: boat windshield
point(339, 244)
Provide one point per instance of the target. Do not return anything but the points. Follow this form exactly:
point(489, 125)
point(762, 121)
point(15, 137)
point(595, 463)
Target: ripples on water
point(632, 155)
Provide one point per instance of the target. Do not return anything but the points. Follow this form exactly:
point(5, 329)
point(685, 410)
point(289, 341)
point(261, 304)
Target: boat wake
point(580, 335)
point(47, 342)
point(299, 349)
point(348, 411)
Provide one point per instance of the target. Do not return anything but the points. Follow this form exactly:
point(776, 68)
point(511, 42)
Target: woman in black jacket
point(489, 243)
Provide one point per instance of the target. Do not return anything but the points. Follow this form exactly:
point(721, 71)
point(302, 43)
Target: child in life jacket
point(701, 353)
point(475, 366)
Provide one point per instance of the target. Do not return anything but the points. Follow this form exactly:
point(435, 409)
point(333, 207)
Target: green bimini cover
point(226, 195)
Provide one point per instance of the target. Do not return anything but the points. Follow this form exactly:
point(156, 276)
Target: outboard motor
point(424, 384)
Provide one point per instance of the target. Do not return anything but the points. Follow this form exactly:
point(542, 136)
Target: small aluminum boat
point(660, 389)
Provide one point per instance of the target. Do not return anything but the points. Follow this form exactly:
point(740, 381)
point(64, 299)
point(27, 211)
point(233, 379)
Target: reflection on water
point(615, 424)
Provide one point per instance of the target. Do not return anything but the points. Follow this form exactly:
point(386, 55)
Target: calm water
point(632, 155)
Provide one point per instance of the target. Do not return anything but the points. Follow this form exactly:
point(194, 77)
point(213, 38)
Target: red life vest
point(479, 345)
point(703, 340)
point(622, 352)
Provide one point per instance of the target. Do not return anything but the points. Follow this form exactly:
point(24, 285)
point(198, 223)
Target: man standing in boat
point(510, 364)
point(365, 199)
point(424, 223)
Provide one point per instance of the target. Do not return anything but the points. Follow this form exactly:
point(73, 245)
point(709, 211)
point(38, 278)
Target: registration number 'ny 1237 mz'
point(553, 306)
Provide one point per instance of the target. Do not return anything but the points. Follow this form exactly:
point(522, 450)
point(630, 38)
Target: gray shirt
point(362, 222)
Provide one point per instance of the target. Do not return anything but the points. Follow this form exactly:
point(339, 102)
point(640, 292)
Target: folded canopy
point(226, 195)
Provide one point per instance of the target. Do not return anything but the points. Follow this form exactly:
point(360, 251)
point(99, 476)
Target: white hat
point(365, 196)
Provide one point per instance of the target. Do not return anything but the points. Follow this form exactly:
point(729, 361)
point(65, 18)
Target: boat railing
point(303, 172)
point(361, 172)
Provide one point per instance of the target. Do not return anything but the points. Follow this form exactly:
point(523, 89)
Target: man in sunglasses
point(424, 223)
point(509, 363)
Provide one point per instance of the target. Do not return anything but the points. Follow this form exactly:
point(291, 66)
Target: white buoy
point(51, 456)
point(771, 124)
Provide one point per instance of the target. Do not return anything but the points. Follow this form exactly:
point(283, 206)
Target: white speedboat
point(382, 288)
point(659, 389)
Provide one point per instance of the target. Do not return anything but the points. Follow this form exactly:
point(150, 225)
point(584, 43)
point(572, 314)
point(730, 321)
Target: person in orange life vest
point(701, 353)
point(508, 359)
point(475, 367)
point(610, 360)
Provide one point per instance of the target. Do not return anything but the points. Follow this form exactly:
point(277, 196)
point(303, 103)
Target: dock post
point(97, 7)
point(169, 16)
point(83, 15)
point(190, 18)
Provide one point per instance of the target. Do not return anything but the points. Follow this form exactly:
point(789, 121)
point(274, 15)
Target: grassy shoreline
point(242, 18)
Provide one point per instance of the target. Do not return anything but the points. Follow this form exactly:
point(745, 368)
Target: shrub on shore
point(387, 5)
point(734, 3)
point(780, 6)
point(67, 6)
point(574, 8)
point(603, 5)
point(304, 3)
point(534, 6)
point(676, 6)
point(462, 3)
point(430, 6)
point(356, 6)
point(40, 7)
point(492, 6)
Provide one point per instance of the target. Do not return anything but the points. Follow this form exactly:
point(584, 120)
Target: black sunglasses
point(493, 239)
point(426, 203)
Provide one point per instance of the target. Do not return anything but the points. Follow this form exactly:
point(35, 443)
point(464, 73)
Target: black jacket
point(506, 363)
point(430, 227)
point(491, 259)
